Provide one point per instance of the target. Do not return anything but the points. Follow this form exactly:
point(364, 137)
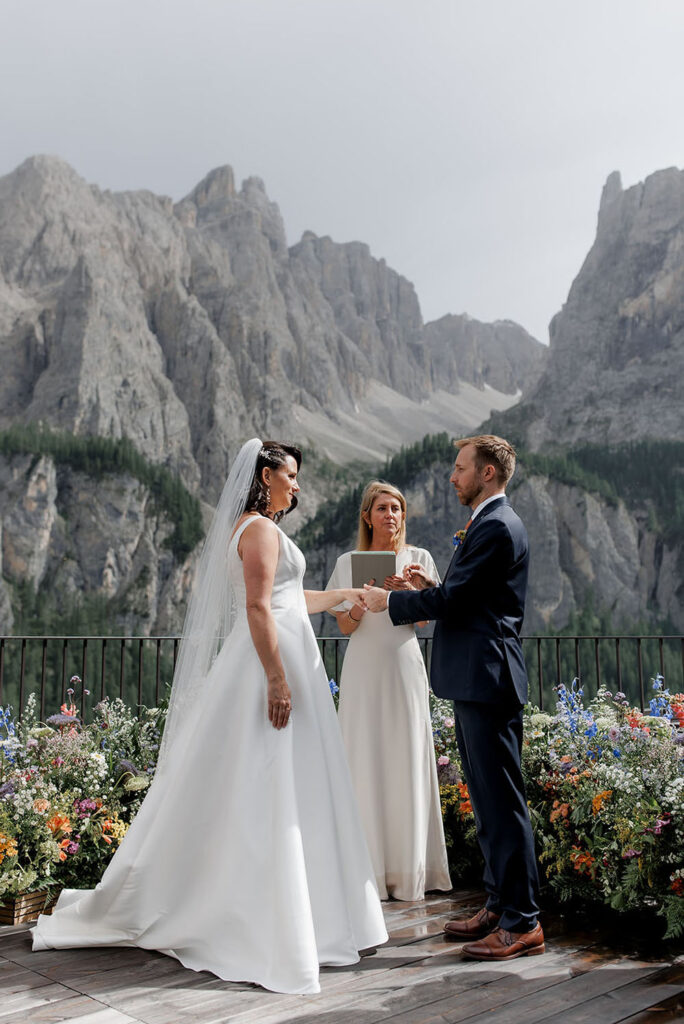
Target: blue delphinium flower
point(334, 688)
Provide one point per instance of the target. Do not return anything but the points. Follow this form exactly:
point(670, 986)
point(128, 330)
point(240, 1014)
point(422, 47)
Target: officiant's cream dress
point(247, 857)
point(384, 714)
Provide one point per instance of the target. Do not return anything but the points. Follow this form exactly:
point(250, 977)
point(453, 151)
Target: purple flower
point(125, 767)
point(84, 808)
point(614, 733)
point(31, 742)
point(631, 853)
point(60, 719)
point(72, 847)
point(7, 789)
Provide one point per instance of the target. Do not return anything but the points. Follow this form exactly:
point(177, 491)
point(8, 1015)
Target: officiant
point(384, 711)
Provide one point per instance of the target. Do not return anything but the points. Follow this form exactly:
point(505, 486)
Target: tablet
point(368, 565)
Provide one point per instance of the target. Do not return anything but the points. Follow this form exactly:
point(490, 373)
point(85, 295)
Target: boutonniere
point(459, 536)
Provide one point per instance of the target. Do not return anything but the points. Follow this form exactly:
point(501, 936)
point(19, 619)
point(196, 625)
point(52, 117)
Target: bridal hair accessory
point(211, 608)
point(459, 536)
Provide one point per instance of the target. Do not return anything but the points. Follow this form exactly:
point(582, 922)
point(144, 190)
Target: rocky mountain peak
point(217, 185)
point(615, 369)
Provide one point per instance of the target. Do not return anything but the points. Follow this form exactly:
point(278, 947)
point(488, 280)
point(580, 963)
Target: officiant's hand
point(415, 575)
point(375, 598)
point(397, 583)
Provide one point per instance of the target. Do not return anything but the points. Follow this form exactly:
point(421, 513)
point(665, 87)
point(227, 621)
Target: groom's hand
point(375, 598)
point(415, 574)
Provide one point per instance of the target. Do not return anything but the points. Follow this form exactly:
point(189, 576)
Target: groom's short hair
point(491, 450)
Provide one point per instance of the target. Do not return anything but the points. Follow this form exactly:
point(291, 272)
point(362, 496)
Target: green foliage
point(96, 456)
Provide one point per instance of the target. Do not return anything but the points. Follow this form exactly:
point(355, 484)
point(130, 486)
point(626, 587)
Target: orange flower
point(582, 861)
point(41, 805)
point(62, 847)
point(678, 886)
point(59, 823)
point(106, 827)
point(465, 807)
point(599, 800)
point(559, 810)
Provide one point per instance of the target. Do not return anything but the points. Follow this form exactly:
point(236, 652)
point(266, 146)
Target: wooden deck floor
point(417, 978)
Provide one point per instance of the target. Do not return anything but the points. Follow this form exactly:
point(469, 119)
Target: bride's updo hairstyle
point(273, 454)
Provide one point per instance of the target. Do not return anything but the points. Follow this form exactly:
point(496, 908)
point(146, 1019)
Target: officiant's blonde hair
point(373, 489)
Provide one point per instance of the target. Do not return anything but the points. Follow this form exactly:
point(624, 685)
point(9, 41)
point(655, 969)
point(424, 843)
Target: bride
point(247, 857)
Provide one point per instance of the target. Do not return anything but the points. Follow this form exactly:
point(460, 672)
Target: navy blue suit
point(477, 662)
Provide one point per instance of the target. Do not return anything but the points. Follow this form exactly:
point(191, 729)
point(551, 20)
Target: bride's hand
point(356, 596)
point(279, 703)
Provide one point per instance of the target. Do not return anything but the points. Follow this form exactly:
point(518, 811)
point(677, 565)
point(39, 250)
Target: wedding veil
point(211, 609)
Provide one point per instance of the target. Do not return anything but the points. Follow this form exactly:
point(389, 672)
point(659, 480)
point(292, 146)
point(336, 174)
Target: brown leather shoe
point(484, 922)
point(503, 945)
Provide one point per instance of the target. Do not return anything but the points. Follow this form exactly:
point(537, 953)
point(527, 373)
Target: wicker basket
point(26, 906)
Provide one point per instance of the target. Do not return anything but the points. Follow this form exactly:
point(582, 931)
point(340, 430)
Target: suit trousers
point(489, 739)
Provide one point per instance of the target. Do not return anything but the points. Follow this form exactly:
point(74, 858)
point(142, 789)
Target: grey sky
point(466, 143)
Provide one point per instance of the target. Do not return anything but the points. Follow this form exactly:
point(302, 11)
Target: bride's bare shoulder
point(260, 528)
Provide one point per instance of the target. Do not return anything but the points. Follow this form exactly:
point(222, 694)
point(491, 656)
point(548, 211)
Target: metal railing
point(139, 669)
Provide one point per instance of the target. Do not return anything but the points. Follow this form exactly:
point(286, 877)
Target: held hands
point(376, 597)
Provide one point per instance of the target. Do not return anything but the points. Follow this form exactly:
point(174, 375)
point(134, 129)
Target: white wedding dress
point(247, 858)
point(384, 714)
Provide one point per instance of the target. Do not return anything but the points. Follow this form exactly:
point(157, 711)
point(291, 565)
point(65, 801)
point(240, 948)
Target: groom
point(477, 661)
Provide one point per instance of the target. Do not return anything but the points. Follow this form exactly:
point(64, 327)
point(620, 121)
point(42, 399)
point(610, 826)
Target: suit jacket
point(478, 608)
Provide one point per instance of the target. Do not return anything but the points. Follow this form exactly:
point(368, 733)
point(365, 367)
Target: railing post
point(122, 658)
point(43, 668)
point(22, 672)
point(597, 657)
point(157, 674)
point(640, 667)
point(102, 667)
point(2, 663)
point(540, 675)
point(84, 667)
point(618, 663)
point(65, 646)
point(140, 667)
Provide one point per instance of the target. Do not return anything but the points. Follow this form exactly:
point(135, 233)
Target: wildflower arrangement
point(605, 787)
point(69, 791)
point(465, 861)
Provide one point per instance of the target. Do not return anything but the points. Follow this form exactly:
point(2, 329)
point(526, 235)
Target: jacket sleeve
point(486, 553)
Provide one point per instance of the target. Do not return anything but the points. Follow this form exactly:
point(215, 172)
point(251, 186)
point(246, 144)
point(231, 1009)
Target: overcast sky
point(466, 143)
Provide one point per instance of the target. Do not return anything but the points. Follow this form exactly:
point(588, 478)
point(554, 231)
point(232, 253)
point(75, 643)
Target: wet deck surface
point(585, 977)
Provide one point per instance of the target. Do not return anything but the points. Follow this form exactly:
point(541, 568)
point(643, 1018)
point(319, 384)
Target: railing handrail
point(321, 636)
point(549, 663)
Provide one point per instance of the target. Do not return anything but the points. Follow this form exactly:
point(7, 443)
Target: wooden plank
point(614, 1006)
point(539, 1002)
point(378, 997)
point(80, 1009)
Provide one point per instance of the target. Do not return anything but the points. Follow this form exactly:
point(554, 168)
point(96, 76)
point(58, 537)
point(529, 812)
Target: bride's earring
point(268, 498)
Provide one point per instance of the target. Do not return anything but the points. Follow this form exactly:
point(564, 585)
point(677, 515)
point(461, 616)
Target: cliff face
point(615, 369)
point(188, 328)
point(502, 354)
point(77, 536)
